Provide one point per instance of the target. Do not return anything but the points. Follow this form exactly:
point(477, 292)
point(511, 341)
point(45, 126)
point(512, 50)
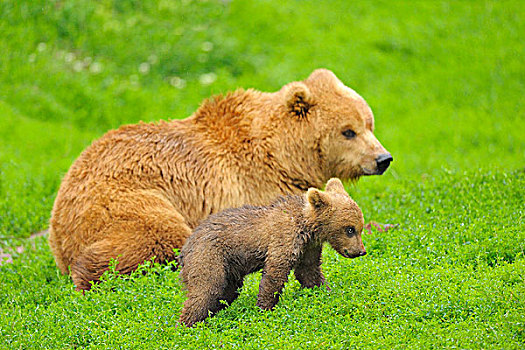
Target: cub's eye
point(350, 230)
point(349, 134)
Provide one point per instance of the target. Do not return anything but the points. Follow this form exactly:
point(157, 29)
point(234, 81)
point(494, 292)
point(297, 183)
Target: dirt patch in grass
point(6, 254)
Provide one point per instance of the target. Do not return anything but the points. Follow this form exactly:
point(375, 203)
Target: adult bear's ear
point(324, 76)
point(335, 185)
point(316, 198)
point(298, 99)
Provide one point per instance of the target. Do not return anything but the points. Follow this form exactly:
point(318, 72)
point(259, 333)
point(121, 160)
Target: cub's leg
point(198, 308)
point(231, 292)
point(205, 280)
point(143, 225)
point(308, 270)
point(274, 276)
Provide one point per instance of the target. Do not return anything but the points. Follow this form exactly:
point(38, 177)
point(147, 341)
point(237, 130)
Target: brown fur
point(285, 235)
point(137, 192)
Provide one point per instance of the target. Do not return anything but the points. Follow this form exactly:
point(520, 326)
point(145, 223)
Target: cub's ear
point(335, 185)
point(298, 99)
point(317, 199)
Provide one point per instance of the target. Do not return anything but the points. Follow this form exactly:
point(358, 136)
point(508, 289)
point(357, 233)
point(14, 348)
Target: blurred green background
point(445, 79)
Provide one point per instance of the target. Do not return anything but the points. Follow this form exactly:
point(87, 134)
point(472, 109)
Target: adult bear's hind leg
point(143, 225)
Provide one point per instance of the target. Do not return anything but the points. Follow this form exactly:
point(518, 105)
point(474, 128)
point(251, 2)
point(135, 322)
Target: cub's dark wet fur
point(286, 235)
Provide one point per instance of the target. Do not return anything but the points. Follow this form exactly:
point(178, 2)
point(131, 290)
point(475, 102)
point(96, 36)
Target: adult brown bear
point(137, 192)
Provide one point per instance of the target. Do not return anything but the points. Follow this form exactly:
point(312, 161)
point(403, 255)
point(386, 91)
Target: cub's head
point(338, 218)
point(335, 122)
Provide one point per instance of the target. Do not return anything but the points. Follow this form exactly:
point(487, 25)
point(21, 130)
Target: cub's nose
point(382, 162)
point(363, 253)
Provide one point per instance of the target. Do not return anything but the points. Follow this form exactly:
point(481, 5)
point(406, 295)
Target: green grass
point(446, 82)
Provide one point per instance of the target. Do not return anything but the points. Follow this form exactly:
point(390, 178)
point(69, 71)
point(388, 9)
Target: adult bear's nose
point(382, 162)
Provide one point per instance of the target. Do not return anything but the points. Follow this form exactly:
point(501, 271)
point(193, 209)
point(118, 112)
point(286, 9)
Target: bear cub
point(283, 236)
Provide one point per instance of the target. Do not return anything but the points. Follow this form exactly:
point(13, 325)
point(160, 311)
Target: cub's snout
point(351, 255)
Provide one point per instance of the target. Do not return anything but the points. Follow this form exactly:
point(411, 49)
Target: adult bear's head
point(336, 124)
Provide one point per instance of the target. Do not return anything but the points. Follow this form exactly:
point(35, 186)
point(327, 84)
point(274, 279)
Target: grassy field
point(446, 82)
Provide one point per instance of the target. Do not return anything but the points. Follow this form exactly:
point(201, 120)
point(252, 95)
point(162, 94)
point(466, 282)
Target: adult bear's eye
point(349, 134)
point(350, 230)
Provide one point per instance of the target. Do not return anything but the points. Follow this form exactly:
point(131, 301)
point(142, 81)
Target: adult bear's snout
point(382, 162)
